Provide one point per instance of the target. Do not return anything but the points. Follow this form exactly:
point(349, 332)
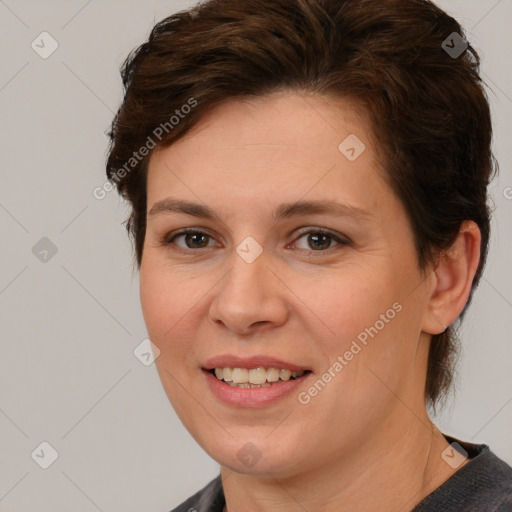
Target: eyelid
point(167, 238)
point(184, 231)
point(339, 238)
point(343, 239)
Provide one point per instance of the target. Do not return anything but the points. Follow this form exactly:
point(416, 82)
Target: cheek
point(353, 301)
point(167, 305)
point(165, 302)
point(371, 323)
point(154, 299)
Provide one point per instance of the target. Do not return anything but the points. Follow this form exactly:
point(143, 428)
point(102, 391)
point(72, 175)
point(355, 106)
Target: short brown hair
point(428, 106)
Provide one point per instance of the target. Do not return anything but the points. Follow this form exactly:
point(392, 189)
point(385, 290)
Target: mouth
point(259, 377)
point(253, 382)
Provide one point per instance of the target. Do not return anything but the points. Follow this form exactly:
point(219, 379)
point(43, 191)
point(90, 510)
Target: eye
point(192, 238)
point(316, 240)
point(319, 240)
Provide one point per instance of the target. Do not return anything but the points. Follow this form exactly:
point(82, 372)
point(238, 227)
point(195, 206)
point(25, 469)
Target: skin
point(365, 442)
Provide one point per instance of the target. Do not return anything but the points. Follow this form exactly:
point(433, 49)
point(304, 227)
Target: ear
point(452, 279)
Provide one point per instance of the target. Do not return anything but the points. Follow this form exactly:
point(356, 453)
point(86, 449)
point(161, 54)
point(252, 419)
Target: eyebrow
point(284, 211)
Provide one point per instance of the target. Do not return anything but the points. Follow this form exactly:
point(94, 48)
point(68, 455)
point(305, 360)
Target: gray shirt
point(484, 484)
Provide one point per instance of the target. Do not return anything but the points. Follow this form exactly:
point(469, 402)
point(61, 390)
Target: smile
point(254, 377)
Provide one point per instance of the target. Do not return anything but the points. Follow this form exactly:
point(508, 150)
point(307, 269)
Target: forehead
point(283, 120)
point(283, 146)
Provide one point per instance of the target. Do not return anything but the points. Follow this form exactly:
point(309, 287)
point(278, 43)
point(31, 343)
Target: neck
point(392, 471)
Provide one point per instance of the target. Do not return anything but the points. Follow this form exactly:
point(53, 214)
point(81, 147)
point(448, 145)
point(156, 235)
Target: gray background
point(69, 325)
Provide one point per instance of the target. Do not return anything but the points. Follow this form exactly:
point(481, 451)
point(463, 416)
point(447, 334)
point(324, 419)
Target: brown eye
point(319, 241)
point(192, 240)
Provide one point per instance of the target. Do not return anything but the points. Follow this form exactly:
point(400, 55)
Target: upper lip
point(231, 361)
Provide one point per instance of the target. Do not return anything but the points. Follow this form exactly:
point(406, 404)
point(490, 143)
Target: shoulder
point(209, 499)
point(484, 484)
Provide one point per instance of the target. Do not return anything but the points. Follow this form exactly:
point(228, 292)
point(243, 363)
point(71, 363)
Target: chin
point(250, 454)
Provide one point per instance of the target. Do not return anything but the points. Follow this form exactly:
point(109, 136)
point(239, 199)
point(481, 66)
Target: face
point(271, 248)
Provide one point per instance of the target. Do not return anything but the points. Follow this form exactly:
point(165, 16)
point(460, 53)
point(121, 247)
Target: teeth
point(254, 377)
point(247, 385)
point(272, 375)
point(257, 375)
point(227, 374)
point(240, 375)
point(285, 374)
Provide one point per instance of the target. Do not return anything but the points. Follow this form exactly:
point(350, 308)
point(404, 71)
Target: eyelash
point(168, 240)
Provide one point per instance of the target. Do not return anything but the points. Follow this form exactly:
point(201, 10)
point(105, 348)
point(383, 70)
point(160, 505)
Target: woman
point(309, 209)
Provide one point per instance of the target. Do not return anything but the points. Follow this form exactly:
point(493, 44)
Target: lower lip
point(253, 397)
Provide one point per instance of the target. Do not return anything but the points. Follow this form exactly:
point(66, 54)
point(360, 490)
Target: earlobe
point(452, 279)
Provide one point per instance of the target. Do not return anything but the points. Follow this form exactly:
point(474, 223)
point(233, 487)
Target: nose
point(250, 298)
